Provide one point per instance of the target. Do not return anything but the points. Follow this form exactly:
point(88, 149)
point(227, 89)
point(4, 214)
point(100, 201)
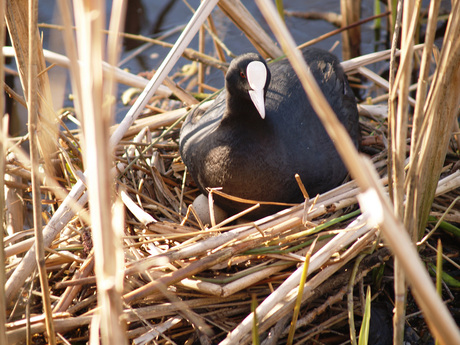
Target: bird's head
point(248, 77)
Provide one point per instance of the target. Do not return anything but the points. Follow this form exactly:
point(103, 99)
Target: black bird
point(262, 130)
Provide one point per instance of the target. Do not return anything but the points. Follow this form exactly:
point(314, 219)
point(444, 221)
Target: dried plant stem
point(71, 291)
point(65, 211)
point(3, 131)
point(399, 284)
point(187, 53)
point(391, 101)
point(442, 100)
point(439, 319)
point(398, 133)
point(218, 47)
point(201, 49)
point(17, 20)
point(351, 39)
point(71, 49)
point(271, 308)
point(337, 31)
point(192, 269)
point(243, 19)
point(70, 62)
point(419, 115)
point(97, 117)
point(33, 106)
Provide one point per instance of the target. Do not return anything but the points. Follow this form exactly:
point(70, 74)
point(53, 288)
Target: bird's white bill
point(256, 73)
point(257, 97)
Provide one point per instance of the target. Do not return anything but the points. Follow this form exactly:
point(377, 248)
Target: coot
point(262, 130)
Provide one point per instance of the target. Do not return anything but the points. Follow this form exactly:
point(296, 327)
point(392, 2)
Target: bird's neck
point(241, 110)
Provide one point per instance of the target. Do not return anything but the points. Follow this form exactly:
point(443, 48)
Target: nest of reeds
point(187, 282)
point(185, 279)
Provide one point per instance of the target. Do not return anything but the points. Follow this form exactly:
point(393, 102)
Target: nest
point(187, 282)
point(184, 279)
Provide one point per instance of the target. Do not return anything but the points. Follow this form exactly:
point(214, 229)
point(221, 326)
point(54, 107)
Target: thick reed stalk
point(97, 106)
point(351, 39)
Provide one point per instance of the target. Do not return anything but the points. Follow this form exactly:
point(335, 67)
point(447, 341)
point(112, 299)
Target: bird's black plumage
point(233, 147)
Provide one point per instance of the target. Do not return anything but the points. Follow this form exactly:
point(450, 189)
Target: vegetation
point(115, 251)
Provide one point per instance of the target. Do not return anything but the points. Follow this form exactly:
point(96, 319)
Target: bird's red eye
point(242, 75)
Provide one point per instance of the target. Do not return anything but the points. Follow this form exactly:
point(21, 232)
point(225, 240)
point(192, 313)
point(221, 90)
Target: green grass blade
point(364, 331)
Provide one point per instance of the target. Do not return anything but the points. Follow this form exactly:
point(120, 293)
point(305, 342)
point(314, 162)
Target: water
point(175, 13)
point(153, 18)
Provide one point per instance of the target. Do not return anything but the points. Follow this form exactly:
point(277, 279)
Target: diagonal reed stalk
point(373, 200)
point(241, 17)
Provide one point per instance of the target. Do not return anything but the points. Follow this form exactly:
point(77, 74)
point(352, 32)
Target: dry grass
point(185, 281)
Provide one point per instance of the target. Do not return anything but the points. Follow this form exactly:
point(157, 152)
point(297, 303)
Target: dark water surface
point(153, 18)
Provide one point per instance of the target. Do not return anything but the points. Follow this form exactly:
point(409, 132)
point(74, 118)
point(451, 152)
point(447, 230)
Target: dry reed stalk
point(156, 331)
point(395, 35)
point(314, 284)
point(351, 65)
point(340, 282)
point(337, 31)
point(71, 291)
point(439, 319)
point(33, 107)
point(122, 76)
point(330, 17)
point(172, 247)
point(351, 39)
point(418, 118)
point(271, 226)
point(201, 49)
point(3, 132)
point(243, 19)
point(188, 53)
point(285, 295)
point(433, 147)
point(97, 115)
point(380, 81)
point(217, 46)
point(76, 195)
point(16, 334)
point(398, 118)
point(13, 202)
point(17, 22)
